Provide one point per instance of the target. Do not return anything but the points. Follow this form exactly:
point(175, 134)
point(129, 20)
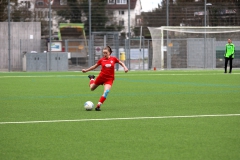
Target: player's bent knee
point(105, 94)
point(93, 87)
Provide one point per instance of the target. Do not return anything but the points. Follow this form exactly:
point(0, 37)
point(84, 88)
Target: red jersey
point(108, 66)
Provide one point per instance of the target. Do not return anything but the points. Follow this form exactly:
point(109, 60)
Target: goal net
point(192, 47)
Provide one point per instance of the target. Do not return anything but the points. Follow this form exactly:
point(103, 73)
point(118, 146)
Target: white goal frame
point(188, 29)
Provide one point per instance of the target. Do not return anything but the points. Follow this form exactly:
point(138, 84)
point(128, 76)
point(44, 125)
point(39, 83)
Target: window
point(121, 1)
point(121, 12)
point(139, 21)
point(48, 14)
point(111, 1)
point(40, 14)
point(63, 2)
point(121, 23)
point(26, 4)
point(39, 3)
point(109, 13)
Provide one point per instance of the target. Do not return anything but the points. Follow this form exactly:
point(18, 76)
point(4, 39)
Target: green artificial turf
point(176, 114)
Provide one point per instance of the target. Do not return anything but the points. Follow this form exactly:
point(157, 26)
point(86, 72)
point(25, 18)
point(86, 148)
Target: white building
point(41, 9)
point(26, 3)
point(117, 11)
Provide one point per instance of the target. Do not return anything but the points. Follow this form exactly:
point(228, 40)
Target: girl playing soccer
point(106, 76)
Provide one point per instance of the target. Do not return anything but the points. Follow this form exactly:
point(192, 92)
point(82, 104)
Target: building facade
point(117, 12)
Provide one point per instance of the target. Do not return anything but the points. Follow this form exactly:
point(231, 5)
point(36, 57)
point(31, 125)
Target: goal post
point(192, 47)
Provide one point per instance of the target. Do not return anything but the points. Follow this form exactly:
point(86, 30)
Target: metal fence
point(181, 54)
point(19, 31)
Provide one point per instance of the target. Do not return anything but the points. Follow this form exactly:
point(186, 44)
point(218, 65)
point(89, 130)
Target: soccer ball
point(88, 105)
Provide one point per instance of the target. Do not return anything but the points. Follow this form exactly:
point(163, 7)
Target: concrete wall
point(18, 31)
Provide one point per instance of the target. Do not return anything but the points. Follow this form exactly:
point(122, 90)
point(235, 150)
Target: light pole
point(9, 39)
point(206, 13)
point(50, 36)
point(129, 35)
point(90, 55)
point(168, 50)
point(205, 24)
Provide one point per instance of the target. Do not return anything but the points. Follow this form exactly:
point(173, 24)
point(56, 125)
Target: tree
point(98, 15)
point(4, 9)
point(18, 13)
point(78, 12)
point(73, 12)
point(216, 15)
point(22, 14)
point(237, 3)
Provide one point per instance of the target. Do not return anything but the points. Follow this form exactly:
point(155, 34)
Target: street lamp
point(90, 55)
point(9, 39)
point(206, 12)
point(50, 2)
point(208, 4)
point(205, 22)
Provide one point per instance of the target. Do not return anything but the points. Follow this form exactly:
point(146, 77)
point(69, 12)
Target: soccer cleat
point(97, 109)
point(91, 77)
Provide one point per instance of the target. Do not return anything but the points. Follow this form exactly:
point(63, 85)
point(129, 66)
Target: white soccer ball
point(88, 105)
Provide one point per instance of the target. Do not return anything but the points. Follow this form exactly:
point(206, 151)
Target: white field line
point(44, 76)
point(134, 75)
point(128, 118)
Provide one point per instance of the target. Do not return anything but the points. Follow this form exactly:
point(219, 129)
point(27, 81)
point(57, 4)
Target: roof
point(122, 6)
point(56, 4)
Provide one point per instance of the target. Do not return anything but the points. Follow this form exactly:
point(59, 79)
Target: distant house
point(42, 11)
point(26, 3)
point(117, 12)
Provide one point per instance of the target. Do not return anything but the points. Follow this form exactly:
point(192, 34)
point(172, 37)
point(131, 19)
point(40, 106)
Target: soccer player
point(229, 55)
point(106, 76)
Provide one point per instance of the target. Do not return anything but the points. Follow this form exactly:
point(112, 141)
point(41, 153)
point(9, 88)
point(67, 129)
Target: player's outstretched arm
point(124, 67)
point(90, 68)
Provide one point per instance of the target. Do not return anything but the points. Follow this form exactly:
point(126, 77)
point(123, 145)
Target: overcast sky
point(148, 5)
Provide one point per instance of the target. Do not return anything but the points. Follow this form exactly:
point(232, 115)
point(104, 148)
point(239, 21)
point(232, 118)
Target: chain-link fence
point(178, 54)
point(40, 22)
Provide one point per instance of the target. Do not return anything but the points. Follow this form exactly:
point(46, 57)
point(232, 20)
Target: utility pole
point(90, 56)
point(168, 50)
point(9, 38)
point(129, 34)
point(50, 36)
